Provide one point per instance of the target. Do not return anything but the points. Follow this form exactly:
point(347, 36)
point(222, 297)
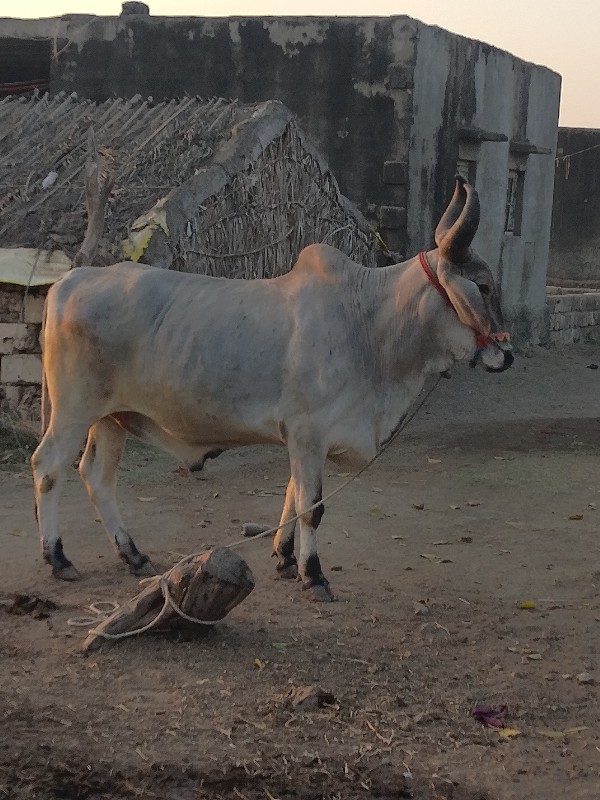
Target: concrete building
point(396, 106)
point(575, 238)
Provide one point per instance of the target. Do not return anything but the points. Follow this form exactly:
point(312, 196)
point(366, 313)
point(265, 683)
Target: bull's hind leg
point(98, 469)
point(283, 545)
point(52, 459)
point(307, 472)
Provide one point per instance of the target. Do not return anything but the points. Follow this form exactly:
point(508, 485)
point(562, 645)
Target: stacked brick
point(20, 353)
point(573, 317)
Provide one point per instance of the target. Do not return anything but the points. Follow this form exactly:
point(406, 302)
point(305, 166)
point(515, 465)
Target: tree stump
point(206, 587)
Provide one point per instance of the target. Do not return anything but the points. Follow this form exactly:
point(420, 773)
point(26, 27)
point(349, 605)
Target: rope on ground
point(164, 579)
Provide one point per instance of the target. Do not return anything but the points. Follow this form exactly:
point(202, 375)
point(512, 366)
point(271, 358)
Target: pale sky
point(561, 36)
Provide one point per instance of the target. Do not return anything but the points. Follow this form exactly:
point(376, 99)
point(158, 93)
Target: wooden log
point(206, 587)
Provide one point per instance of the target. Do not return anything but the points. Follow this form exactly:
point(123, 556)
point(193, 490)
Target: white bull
point(325, 360)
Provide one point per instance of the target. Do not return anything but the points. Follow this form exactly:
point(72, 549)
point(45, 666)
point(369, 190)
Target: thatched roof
point(208, 185)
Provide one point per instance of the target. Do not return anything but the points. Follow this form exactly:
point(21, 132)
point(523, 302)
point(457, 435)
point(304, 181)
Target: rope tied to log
point(163, 580)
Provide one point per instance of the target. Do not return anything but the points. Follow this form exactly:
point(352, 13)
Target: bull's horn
point(458, 226)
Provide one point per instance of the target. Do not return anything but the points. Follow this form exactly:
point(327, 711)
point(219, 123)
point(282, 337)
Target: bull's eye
point(483, 288)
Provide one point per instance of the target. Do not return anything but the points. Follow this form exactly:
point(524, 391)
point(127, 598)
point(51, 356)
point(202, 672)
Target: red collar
point(481, 340)
point(433, 279)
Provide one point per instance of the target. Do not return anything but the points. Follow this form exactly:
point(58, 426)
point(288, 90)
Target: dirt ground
point(490, 499)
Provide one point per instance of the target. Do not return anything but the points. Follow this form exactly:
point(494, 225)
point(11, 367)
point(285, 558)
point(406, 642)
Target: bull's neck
point(406, 324)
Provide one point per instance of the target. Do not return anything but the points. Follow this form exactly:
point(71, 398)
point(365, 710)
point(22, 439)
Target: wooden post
point(206, 587)
point(99, 180)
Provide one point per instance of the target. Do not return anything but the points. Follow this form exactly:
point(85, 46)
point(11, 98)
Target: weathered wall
point(575, 238)
point(462, 84)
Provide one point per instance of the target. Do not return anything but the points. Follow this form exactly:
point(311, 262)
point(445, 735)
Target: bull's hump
point(324, 262)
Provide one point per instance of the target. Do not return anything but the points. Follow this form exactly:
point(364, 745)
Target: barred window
point(467, 169)
point(514, 202)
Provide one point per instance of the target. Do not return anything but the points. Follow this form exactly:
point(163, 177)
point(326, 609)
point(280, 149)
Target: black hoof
point(318, 592)
point(61, 566)
point(288, 573)
point(145, 570)
point(287, 568)
point(68, 573)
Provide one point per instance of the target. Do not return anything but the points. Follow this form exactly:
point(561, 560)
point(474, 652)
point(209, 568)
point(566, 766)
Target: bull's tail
point(46, 407)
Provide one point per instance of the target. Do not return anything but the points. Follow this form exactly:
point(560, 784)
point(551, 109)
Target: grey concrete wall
point(462, 83)
point(575, 238)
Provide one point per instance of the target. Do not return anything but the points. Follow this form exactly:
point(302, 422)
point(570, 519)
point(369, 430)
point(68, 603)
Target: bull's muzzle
point(496, 353)
point(508, 360)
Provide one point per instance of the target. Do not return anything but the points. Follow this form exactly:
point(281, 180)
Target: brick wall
point(20, 352)
point(573, 317)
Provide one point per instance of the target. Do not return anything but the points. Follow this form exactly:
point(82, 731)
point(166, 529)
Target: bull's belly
point(202, 432)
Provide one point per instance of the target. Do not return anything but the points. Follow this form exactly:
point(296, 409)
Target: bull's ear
point(465, 297)
point(457, 228)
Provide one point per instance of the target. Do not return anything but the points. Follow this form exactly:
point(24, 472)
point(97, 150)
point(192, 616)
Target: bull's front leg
point(307, 472)
point(283, 545)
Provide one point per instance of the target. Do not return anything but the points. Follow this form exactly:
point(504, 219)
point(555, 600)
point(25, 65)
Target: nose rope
point(482, 340)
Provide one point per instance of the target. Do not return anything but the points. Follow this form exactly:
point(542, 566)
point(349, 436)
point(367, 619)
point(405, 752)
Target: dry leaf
point(550, 734)
point(258, 663)
point(418, 506)
point(146, 499)
point(441, 542)
point(534, 656)
point(434, 460)
point(436, 559)
point(378, 513)
point(473, 503)
point(509, 733)
point(279, 645)
point(455, 508)
point(527, 604)
point(576, 516)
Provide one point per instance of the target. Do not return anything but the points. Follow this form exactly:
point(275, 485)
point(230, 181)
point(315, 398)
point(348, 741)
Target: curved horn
point(452, 213)
point(456, 242)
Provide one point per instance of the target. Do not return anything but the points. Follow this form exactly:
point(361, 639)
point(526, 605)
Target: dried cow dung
point(35, 606)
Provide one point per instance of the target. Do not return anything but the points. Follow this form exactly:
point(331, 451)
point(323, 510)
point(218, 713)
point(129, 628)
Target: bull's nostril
point(508, 359)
